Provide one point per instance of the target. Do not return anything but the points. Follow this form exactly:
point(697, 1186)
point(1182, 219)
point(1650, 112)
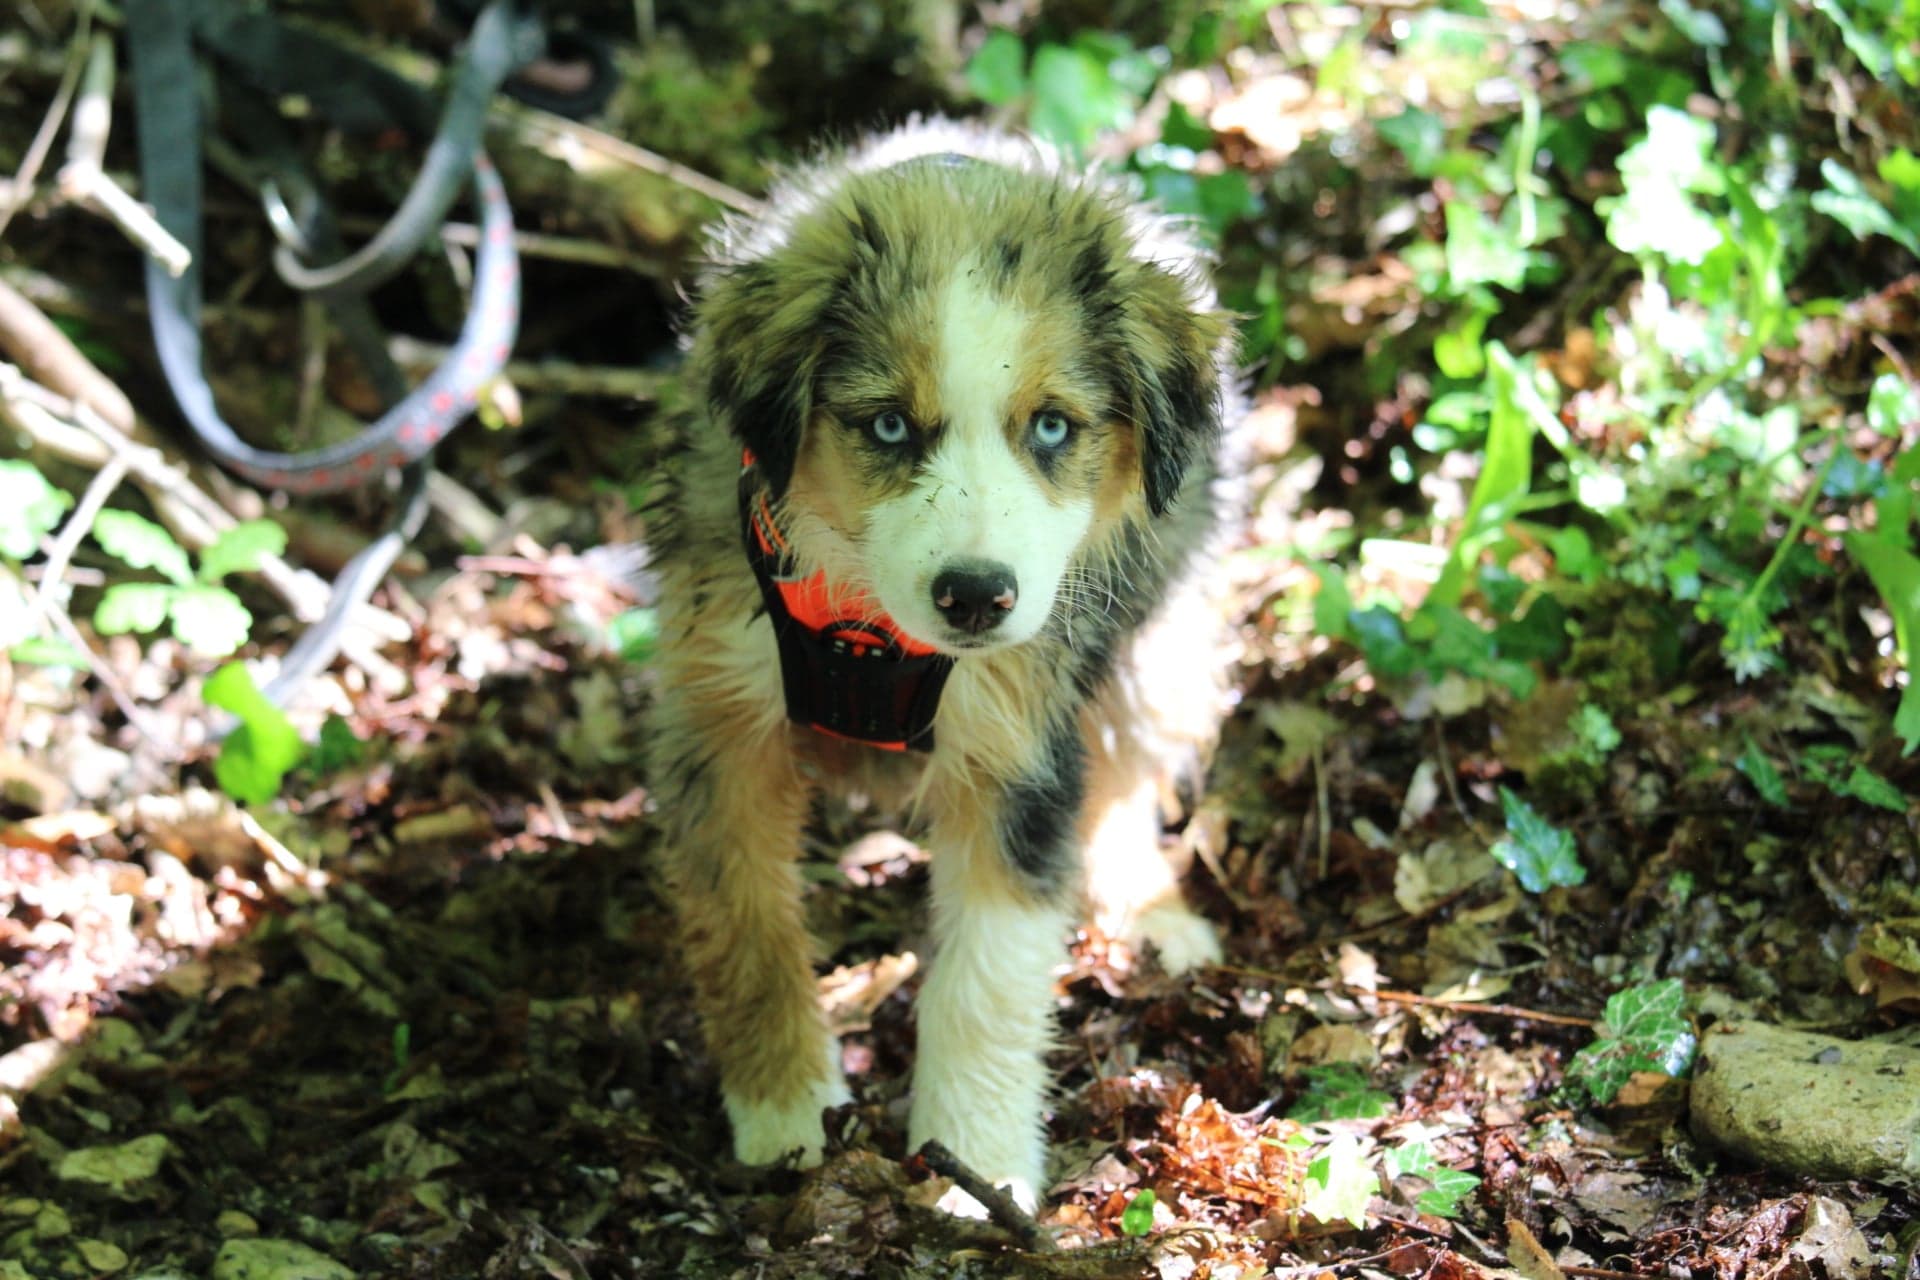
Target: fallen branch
point(999, 1205)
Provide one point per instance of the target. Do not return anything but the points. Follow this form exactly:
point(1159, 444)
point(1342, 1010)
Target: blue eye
point(890, 427)
point(1050, 429)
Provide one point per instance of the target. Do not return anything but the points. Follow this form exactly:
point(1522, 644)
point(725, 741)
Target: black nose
point(975, 597)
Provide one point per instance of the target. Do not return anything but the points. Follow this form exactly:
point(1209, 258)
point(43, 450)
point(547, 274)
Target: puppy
point(937, 536)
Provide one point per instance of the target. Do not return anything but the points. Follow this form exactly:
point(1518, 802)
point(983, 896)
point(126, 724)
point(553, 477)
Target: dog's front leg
point(1005, 876)
point(734, 809)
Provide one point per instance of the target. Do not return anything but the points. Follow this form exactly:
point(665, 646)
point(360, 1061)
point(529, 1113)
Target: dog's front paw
point(767, 1132)
point(1185, 940)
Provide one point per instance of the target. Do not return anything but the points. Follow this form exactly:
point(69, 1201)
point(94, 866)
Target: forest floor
point(422, 1016)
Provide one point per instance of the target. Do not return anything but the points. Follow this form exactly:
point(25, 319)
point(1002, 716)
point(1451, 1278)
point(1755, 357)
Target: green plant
point(205, 615)
point(1642, 1029)
point(1338, 1091)
point(262, 749)
point(634, 635)
point(1096, 82)
point(1445, 1187)
point(1340, 1182)
point(1540, 854)
point(30, 507)
point(1137, 1218)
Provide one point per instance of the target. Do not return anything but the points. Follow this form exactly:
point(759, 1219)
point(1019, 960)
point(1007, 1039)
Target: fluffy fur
point(947, 351)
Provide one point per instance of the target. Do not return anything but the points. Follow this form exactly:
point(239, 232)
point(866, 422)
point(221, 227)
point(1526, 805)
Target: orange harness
point(848, 669)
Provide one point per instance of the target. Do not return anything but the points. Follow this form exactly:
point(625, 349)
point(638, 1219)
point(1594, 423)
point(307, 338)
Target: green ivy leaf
point(1215, 200)
point(210, 620)
point(1450, 1187)
point(1340, 1183)
point(142, 544)
point(1137, 1218)
point(1338, 1091)
point(1419, 136)
point(1414, 1159)
point(132, 607)
point(1642, 1029)
point(29, 508)
point(1760, 772)
point(997, 72)
point(240, 549)
point(1447, 1187)
point(1383, 641)
point(1539, 853)
point(258, 754)
point(1848, 202)
point(1864, 784)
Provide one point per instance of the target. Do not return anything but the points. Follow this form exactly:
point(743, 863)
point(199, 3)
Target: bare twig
point(557, 136)
point(105, 481)
point(999, 1205)
point(103, 673)
point(50, 358)
point(21, 189)
point(1323, 821)
point(1453, 784)
point(1474, 1006)
point(556, 376)
point(83, 179)
point(528, 244)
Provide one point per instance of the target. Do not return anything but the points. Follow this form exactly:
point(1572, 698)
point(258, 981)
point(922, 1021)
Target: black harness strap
point(845, 677)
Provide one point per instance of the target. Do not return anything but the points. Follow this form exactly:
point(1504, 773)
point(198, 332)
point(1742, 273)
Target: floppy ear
point(1172, 363)
point(762, 343)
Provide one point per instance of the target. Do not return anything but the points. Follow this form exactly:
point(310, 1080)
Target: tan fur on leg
point(731, 870)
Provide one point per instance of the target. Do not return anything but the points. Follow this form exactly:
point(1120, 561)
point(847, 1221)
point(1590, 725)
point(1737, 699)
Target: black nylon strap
point(270, 59)
point(166, 94)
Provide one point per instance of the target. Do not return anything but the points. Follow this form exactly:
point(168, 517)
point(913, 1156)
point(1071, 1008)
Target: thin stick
point(83, 179)
point(103, 673)
point(555, 135)
point(999, 1205)
point(1473, 1006)
point(105, 481)
point(1323, 821)
point(1453, 785)
point(555, 376)
point(21, 190)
